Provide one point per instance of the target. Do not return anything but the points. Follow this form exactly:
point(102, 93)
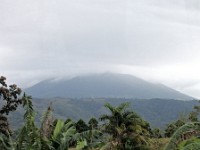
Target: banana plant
point(62, 135)
point(176, 139)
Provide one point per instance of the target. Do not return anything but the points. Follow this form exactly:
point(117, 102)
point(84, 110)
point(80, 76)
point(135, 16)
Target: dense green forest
point(158, 112)
point(119, 128)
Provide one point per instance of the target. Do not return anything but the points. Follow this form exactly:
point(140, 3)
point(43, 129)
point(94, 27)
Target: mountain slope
point(104, 85)
point(157, 112)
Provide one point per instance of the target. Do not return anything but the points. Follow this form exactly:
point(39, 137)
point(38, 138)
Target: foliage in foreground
point(127, 130)
point(10, 101)
point(122, 129)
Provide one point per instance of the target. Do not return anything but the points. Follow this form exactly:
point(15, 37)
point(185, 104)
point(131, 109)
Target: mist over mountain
point(104, 85)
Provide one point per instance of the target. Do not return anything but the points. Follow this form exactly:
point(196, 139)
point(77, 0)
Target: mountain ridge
point(104, 85)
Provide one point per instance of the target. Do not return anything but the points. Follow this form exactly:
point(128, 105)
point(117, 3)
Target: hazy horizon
point(157, 41)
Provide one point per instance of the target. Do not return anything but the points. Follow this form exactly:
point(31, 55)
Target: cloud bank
point(155, 40)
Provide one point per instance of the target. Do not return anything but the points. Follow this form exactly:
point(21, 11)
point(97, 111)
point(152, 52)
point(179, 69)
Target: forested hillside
point(158, 112)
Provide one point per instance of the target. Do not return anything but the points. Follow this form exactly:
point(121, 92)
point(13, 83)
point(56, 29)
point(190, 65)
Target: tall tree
point(126, 128)
point(9, 96)
point(93, 123)
point(29, 136)
point(81, 126)
point(171, 128)
point(193, 116)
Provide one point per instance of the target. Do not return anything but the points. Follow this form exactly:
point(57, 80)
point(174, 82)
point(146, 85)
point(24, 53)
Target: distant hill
point(158, 112)
point(104, 85)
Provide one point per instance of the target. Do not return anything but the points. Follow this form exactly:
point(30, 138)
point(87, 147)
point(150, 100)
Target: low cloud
point(46, 38)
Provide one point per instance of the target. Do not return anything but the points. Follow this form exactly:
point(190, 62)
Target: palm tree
point(125, 127)
point(93, 123)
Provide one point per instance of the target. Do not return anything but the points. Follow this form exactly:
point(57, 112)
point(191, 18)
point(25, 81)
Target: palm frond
point(110, 107)
point(192, 146)
point(177, 136)
point(123, 106)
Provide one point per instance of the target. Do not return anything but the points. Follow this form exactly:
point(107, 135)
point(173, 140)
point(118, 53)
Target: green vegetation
point(186, 137)
point(126, 129)
point(158, 112)
point(10, 101)
point(119, 128)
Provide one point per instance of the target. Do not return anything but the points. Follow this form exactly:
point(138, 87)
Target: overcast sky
point(156, 40)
